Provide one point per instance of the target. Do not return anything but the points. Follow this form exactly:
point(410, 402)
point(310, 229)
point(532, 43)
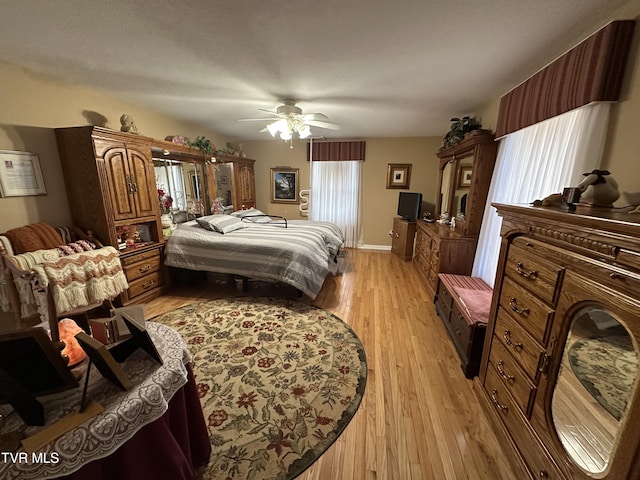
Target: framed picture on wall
point(284, 185)
point(20, 174)
point(398, 175)
point(466, 172)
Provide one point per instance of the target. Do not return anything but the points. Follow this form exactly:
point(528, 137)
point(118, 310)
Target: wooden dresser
point(110, 181)
point(464, 178)
point(403, 236)
point(559, 371)
point(442, 250)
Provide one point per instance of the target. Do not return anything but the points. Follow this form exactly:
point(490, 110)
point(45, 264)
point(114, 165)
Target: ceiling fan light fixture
point(274, 128)
point(286, 135)
point(290, 121)
point(305, 131)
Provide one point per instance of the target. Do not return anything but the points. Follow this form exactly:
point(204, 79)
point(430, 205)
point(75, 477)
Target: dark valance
point(592, 71)
point(336, 151)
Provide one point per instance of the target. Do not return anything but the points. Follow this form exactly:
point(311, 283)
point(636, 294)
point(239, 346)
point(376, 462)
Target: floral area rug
point(278, 381)
point(607, 367)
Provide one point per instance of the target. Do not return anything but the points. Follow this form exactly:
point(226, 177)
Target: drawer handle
point(507, 340)
point(494, 399)
point(502, 373)
point(458, 331)
point(145, 269)
point(523, 273)
point(147, 285)
point(513, 303)
point(544, 474)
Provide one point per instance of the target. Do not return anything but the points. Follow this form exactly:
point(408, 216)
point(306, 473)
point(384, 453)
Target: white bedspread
point(301, 255)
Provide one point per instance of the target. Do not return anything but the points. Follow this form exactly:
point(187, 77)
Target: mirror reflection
point(223, 174)
point(463, 185)
point(445, 188)
point(181, 189)
point(596, 380)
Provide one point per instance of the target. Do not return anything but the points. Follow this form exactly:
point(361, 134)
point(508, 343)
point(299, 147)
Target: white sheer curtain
point(335, 197)
point(535, 162)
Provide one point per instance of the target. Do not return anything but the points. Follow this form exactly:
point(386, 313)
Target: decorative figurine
point(127, 124)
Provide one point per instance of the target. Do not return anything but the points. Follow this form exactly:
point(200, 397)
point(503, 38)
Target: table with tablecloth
point(154, 430)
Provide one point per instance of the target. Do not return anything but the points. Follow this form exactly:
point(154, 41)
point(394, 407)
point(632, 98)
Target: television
point(409, 204)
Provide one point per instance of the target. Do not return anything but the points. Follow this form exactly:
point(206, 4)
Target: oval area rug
point(278, 381)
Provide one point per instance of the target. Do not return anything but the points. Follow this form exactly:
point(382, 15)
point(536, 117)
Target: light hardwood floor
point(419, 418)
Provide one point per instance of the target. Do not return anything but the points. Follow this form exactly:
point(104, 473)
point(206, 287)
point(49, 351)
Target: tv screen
point(409, 204)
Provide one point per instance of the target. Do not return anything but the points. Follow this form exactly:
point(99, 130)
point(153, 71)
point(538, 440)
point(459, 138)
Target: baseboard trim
point(374, 247)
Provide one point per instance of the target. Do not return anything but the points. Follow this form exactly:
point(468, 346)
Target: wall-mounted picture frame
point(466, 173)
point(284, 185)
point(398, 175)
point(20, 174)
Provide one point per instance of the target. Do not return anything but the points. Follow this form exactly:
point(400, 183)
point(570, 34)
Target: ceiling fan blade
point(314, 116)
point(255, 120)
point(269, 111)
point(327, 125)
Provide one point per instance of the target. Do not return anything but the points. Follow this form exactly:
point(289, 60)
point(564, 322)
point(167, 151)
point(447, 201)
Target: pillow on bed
point(220, 223)
point(250, 215)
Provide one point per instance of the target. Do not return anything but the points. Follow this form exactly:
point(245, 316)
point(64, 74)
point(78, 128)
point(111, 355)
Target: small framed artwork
point(20, 174)
point(223, 179)
point(284, 185)
point(466, 172)
point(398, 175)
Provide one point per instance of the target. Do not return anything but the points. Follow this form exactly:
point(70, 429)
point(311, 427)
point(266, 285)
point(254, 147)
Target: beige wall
point(379, 203)
point(32, 106)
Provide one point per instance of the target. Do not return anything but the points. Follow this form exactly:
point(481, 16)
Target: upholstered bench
point(463, 303)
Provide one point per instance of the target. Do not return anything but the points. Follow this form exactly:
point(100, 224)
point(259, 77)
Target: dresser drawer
point(432, 280)
point(444, 301)
point(145, 284)
point(535, 316)
point(533, 273)
point(514, 379)
point(142, 256)
point(140, 269)
point(538, 462)
point(526, 351)
point(461, 328)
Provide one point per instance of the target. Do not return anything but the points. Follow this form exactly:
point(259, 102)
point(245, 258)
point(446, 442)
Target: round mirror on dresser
point(597, 377)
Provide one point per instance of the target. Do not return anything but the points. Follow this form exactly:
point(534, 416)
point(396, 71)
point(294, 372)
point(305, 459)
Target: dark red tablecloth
point(170, 448)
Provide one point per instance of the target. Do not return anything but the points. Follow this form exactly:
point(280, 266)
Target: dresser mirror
point(462, 187)
point(597, 378)
point(185, 184)
point(446, 175)
point(224, 179)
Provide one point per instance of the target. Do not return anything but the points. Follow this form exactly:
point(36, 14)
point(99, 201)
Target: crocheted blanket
point(85, 278)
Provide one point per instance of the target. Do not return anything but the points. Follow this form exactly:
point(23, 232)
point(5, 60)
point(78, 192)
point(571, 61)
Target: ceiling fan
point(289, 119)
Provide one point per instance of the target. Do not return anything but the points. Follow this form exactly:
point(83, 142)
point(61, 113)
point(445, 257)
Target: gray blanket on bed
point(301, 255)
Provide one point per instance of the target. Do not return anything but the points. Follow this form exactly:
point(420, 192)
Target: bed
point(300, 253)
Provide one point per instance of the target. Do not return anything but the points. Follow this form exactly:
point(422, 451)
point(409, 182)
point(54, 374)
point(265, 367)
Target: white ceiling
point(378, 68)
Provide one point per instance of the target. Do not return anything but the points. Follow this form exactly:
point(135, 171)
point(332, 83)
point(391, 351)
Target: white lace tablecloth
point(124, 412)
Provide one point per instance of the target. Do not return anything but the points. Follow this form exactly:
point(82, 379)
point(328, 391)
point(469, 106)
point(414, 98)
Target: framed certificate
point(20, 174)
